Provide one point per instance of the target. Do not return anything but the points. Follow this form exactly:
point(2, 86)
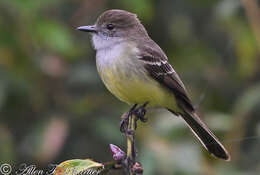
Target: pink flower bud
point(117, 153)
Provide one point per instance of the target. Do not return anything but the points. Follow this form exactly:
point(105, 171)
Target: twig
point(127, 161)
point(130, 136)
point(133, 167)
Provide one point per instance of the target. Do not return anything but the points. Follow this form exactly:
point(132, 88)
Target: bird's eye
point(110, 26)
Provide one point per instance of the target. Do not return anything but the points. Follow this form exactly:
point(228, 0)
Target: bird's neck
point(119, 52)
point(103, 42)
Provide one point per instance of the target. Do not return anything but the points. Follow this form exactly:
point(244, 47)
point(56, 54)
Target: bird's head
point(113, 26)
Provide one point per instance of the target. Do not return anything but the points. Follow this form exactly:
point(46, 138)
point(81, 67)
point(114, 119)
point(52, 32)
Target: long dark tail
point(205, 136)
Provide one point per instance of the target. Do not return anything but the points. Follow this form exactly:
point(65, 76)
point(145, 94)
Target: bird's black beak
point(91, 29)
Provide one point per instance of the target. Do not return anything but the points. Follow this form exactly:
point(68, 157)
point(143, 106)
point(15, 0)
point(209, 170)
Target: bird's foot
point(124, 122)
point(138, 112)
point(125, 118)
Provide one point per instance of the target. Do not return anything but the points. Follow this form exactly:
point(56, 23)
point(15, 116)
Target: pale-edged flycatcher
point(136, 70)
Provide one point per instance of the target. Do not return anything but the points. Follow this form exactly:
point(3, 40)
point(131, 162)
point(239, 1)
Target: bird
point(137, 71)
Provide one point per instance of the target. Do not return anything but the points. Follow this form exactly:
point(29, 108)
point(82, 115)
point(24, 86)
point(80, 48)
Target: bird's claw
point(124, 122)
point(139, 113)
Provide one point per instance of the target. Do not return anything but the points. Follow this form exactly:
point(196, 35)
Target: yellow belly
point(136, 90)
point(125, 77)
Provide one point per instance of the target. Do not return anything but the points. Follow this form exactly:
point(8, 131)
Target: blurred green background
point(54, 107)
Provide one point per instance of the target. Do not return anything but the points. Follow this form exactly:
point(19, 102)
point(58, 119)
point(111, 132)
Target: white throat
point(101, 42)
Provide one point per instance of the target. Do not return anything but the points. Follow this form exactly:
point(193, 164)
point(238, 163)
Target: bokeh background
point(54, 107)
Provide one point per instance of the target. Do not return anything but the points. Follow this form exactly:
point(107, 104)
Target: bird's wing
point(158, 67)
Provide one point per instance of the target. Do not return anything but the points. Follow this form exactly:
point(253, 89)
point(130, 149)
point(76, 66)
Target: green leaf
point(80, 166)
